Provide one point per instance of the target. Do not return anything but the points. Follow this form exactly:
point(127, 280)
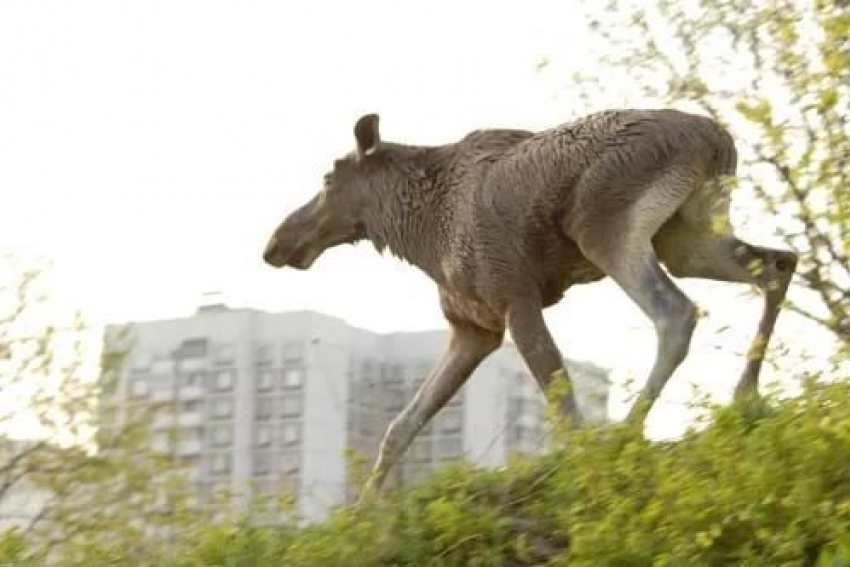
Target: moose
point(504, 221)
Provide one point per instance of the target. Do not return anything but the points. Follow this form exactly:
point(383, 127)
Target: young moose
point(505, 221)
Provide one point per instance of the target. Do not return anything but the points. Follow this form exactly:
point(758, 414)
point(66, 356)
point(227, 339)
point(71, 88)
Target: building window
point(514, 408)
point(289, 482)
point(222, 435)
point(520, 379)
point(264, 435)
point(421, 449)
point(225, 354)
point(361, 395)
point(160, 441)
point(162, 365)
point(527, 440)
point(290, 434)
point(265, 488)
point(265, 354)
point(192, 378)
point(220, 463)
point(449, 447)
point(451, 421)
point(291, 406)
point(142, 361)
point(364, 427)
point(414, 472)
point(222, 408)
point(293, 351)
point(293, 378)
point(262, 463)
point(289, 461)
point(224, 379)
point(423, 369)
point(193, 348)
point(193, 466)
point(264, 409)
point(368, 371)
point(395, 399)
point(265, 380)
point(139, 387)
point(392, 373)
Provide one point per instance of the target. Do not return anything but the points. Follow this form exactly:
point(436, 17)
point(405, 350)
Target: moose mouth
point(304, 258)
point(301, 257)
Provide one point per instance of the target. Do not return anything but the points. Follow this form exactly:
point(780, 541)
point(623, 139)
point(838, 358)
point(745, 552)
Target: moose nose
point(270, 254)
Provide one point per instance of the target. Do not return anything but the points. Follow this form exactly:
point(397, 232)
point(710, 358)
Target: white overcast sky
point(151, 147)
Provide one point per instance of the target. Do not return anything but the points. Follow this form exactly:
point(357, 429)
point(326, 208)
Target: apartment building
point(264, 400)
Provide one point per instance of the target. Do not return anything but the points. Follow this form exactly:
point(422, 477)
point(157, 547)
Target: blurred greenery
point(78, 474)
point(777, 74)
point(751, 488)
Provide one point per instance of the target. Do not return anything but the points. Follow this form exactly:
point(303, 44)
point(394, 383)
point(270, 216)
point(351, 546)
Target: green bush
point(753, 488)
point(761, 485)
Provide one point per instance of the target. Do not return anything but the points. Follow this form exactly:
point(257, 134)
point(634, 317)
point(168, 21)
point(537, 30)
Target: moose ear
point(367, 135)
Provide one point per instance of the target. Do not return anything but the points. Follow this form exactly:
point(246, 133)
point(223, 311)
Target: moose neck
point(410, 209)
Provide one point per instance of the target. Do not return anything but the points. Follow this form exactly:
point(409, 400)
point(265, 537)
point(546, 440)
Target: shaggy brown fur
point(505, 221)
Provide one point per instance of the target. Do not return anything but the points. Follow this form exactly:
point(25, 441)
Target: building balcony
point(162, 395)
point(193, 392)
point(194, 474)
point(194, 365)
point(190, 419)
point(164, 421)
point(170, 420)
point(160, 444)
point(189, 447)
point(529, 420)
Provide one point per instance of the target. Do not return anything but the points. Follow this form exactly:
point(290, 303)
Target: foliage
point(752, 488)
point(91, 488)
point(777, 73)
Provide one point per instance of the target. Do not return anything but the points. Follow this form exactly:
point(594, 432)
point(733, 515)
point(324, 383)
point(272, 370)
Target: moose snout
point(271, 254)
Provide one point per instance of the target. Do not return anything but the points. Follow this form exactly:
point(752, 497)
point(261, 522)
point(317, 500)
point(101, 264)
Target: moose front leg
point(468, 346)
point(532, 338)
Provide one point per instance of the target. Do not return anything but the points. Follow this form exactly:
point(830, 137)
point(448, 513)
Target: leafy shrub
point(760, 485)
point(753, 488)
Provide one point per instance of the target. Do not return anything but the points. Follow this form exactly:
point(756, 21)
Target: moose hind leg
point(671, 312)
point(689, 251)
point(774, 270)
point(619, 242)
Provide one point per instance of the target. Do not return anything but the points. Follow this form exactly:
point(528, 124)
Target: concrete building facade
point(265, 400)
